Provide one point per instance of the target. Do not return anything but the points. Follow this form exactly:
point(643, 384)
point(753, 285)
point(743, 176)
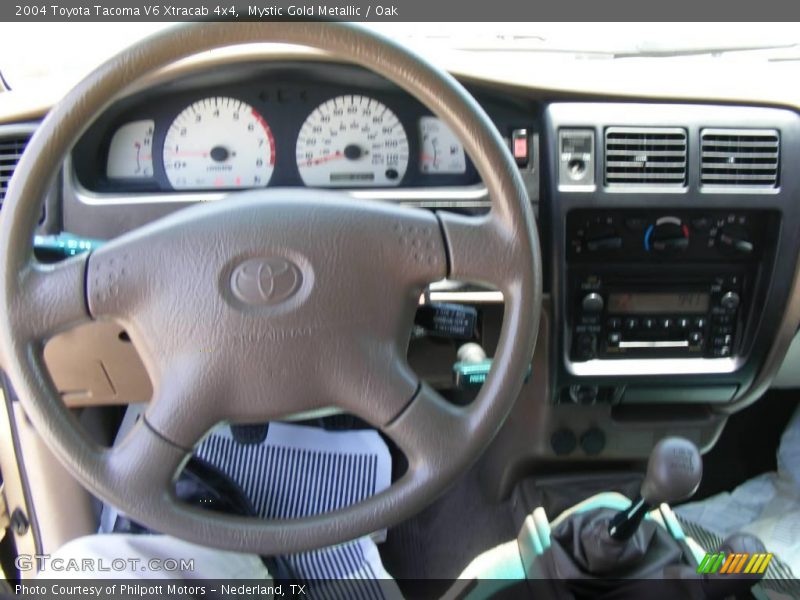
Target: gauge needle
point(323, 159)
point(190, 153)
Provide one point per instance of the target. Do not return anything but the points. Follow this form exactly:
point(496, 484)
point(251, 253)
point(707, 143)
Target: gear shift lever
point(673, 473)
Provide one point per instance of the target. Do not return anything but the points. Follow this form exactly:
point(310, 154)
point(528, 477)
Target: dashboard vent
point(740, 157)
point(11, 149)
point(645, 156)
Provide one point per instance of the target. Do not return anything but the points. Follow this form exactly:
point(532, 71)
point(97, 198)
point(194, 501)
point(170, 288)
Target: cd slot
point(654, 344)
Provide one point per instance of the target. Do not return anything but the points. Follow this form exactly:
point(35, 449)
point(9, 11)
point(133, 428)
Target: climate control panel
point(647, 235)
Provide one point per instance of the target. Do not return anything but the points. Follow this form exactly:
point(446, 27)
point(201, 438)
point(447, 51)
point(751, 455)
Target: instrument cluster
point(272, 133)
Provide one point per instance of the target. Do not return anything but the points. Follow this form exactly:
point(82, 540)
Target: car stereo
point(628, 318)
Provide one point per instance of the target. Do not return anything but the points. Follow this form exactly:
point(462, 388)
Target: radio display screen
point(644, 303)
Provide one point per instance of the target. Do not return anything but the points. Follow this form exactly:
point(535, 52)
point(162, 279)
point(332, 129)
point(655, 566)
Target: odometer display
point(219, 143)
point(352, 141)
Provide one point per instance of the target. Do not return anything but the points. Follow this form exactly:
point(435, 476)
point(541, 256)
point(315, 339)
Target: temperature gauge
point(441, 152)
point(131, 153)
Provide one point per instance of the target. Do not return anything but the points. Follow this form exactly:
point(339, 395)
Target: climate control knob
point(736, 239)
point(668, 234)
point(601, 237)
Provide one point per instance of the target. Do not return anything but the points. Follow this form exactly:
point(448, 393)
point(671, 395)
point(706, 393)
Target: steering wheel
point(269, 303)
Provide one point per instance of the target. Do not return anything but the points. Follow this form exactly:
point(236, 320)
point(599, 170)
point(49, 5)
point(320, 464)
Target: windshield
point(73, 49)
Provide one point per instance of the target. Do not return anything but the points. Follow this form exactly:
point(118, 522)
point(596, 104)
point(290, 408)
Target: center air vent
point(740, 157)
point(11, 149)
point(646, 156)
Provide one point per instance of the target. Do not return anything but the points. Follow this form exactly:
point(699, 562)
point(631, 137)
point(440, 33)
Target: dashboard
point(667, 228)
point(661, 222)
point(268, 126)
point(203, 134)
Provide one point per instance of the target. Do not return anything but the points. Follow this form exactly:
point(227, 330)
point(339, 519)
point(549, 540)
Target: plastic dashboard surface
point(285, 104)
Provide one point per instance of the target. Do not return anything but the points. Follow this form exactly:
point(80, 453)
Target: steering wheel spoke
point(378, 385)
point(188, 401)
point(146, 460)
point(431, 432)
point(480, 249)
point(53, 296)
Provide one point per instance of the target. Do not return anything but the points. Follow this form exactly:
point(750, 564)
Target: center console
point(673, 240)
point(671, 244)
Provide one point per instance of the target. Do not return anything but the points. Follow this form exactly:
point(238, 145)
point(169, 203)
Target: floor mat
point(300, 471)
point(768, 506)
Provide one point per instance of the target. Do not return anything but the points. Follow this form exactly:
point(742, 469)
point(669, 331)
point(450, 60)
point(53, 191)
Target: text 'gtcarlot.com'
point(43, 563)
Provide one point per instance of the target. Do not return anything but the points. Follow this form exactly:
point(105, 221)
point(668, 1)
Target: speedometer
point(219, 143)
point(352, 141)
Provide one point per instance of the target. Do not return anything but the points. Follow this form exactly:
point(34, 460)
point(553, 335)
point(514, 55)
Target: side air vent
point(740, 157)
point(645, 156)
point(11, 149)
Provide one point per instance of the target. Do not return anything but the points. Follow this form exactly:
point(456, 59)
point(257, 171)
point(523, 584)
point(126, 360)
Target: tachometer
point(219, 143)
point(352, 141)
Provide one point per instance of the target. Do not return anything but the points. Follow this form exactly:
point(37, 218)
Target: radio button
point(593, 302)
point(683, 323)
point(666, 323)
point(648, 323)
point(614, 338)
point(730, 300)
point(724, 340)
point(631, 323)
point(700, 322)
point(696, 338)
point(614, 323)
point(724, 351)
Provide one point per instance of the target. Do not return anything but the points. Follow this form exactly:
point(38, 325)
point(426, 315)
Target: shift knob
point(673, 472)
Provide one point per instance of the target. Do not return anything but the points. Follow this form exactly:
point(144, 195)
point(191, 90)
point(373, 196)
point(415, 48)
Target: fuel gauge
point(130, 155)
point(441, 151)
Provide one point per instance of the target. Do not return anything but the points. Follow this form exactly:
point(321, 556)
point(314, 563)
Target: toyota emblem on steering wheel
point(265, 281)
